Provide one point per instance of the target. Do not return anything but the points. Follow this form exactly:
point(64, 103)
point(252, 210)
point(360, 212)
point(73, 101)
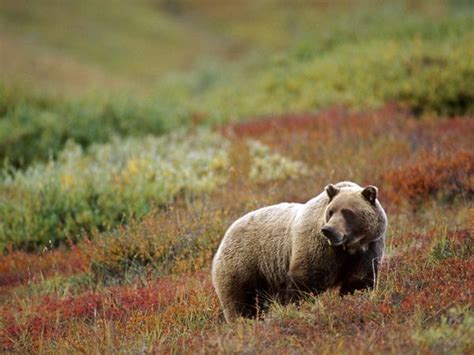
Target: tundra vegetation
point(124, 162)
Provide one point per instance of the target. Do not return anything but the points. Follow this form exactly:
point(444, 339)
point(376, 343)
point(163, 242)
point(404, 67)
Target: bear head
point(353, 218)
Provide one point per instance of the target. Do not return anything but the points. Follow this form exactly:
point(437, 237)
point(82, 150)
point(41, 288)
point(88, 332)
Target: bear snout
point(333, 237)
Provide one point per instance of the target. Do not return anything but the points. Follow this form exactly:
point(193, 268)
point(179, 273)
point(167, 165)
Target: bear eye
point(330, 213)
point(347, 213)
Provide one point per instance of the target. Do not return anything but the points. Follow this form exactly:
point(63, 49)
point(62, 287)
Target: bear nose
point(328, 232)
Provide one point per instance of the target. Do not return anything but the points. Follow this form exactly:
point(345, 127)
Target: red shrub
point(19, 267)
point(49, 316)
point(333, 119)
point(442, 135)
point(432, 175)
point(452, 282)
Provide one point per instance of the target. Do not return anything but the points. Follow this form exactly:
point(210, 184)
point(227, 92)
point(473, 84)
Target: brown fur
point(280, 251)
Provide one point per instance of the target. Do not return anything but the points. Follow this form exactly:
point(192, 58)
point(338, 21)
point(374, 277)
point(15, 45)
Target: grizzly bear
point(282, 251)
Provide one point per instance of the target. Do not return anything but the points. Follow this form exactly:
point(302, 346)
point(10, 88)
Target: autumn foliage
point(145, 286)
point(446, 176)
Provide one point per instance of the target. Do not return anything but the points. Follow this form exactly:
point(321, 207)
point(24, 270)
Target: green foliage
point(80, 191)
point(267, 165)
point(37, 128)
point(59, 285)
point(427, 75)
point(453, 333)
point(85, 191)
point(452, 245)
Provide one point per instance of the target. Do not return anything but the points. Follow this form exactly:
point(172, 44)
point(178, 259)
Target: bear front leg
point(303, 280)
point(353, 285)
point(364, 270)
point(365, 279)
point(297, 283)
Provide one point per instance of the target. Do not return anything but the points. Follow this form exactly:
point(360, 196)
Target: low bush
point(82, 192)
point(268, 166)
point(451, 334)
point(426, 74)
point(449, 245)
point(35, 127)
point(173, 241)
point(446, 177)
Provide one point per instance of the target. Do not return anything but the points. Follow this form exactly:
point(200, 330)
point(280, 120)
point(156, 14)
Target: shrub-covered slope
point(355, 55)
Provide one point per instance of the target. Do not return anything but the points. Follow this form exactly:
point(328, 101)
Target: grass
point(132, 134)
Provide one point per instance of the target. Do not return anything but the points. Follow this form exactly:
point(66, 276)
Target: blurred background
point(95, 69)
point(72, 47)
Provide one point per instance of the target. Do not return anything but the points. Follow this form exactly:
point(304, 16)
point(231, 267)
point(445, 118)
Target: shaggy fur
point(280, 251)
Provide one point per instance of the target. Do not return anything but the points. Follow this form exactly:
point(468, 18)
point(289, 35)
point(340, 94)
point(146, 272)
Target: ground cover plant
point(47, 203)
point(146, 285)
point(113, 202)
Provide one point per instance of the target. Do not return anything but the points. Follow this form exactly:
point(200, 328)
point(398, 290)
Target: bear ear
point(332, 191)
point(370, 194)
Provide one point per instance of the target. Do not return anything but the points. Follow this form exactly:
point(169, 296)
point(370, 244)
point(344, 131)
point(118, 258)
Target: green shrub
point(80, 191)
point(31, 129)
point(267, 165)
point(452, 334)
point(434, 76)
point(451, 245)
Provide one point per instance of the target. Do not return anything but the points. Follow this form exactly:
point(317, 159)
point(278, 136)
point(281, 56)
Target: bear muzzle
point(332, 236)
